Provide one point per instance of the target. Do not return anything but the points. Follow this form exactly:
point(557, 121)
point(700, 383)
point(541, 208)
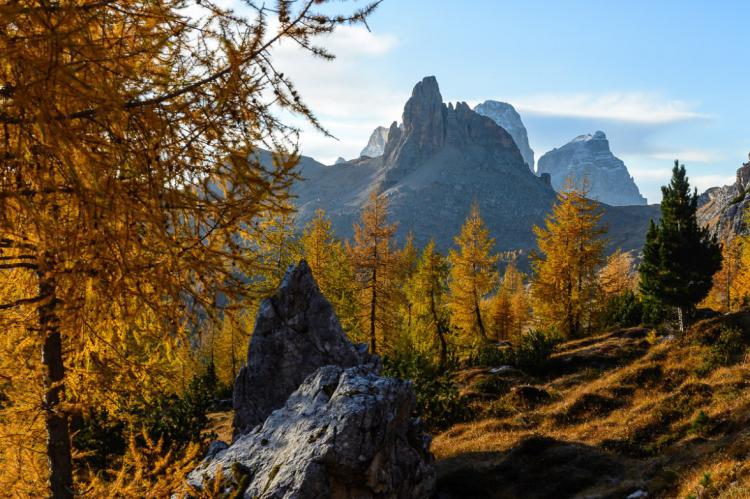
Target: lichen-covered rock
point(344, 434)
point(296, 332)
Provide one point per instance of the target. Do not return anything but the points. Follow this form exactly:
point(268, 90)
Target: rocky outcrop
point(723, 209)
point(376, 145)
point(508, 118)
point(296, 332)
point(344, 434)
point(339, 160)
point(588, 157)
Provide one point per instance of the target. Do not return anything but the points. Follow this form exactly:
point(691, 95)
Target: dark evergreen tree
point(679, 257)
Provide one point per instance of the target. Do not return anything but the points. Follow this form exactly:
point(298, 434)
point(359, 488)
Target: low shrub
point(623, 310)
point(438, 401)
point(489, 354)
point(534, 349)
point(725, 350)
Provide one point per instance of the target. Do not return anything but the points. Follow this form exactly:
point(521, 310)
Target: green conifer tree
point(679, 257)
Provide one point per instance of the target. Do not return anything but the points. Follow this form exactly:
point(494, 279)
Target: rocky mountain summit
point(441, 159)
point(508, 118)
point(723, 209)
point(589, 157)
point(376, 145)
point(434, 166)
point(314, 418)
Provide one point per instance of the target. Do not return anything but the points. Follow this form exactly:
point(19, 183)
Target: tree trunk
point(681, 319)
point(480, 322)
point(373, 309)
point(440, 331)
point(58, 437)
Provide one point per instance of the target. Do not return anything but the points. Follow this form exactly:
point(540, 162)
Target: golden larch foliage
point(510, 309)
point(618, 274)
point(473, 275)
point(565, 279)
point(427, 292)
point(376, 265)
point(333, 272)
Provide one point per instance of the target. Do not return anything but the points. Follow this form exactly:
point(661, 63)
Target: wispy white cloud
point(691, 155)
point(634, 107)
point(650, 173)
point(349, 98)
point(703, 182)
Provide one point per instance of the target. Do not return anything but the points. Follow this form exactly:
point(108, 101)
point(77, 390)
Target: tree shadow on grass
point(538, 468)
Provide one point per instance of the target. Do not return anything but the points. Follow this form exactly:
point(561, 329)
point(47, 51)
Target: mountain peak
point(430, 126)
point(507, 117)
point(588, 157)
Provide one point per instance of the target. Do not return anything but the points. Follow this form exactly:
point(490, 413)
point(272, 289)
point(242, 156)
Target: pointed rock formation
point(376, 144)
point(430, 127)
point(339, 160)
point(296, 332)
point(506, 116)
point(588, 157)
point(724, 209)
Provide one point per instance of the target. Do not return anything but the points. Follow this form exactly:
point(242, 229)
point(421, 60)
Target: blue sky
point(663, 79)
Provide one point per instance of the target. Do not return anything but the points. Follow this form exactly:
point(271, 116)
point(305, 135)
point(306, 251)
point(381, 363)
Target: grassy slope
point(622, 415)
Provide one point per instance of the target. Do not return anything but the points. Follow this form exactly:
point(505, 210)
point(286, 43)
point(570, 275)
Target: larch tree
point(618, 274)
point(727, 291)
point(376, 265)
point(509, 308)
point(128, 138)
point(679, 257)
point(473, 275)
point(564, 285)
point(333, 272)
point(427, 291)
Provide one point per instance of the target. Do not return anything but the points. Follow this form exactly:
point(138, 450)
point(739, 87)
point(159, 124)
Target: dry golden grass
point(658, 408)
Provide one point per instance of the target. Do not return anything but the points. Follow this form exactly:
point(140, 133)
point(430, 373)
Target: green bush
point(700, 424)
point(489, 354)
point(727, 347)
point(653, 312)
point(534, 349)
point(438, 401)
point(624, 310)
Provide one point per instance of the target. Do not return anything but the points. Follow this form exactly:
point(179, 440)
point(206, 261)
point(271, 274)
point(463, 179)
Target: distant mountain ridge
point(589, 157)
point(443, 158)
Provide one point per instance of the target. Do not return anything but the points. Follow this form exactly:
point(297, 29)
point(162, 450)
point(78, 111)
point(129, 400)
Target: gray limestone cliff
point(589, 157)
point(376, 144)
point(724, 209)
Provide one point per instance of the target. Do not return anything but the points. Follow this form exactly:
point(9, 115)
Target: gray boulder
point(344, 434)
point(589, 157)
point(508, 118)
point(296, 332)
